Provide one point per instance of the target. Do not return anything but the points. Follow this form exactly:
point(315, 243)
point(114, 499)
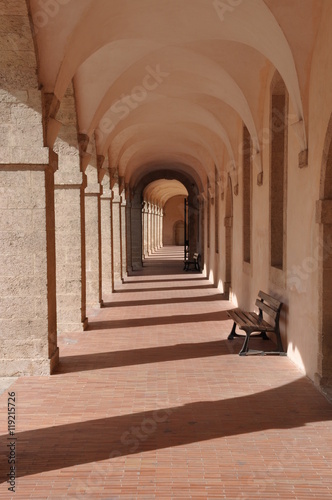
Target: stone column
point(27, 230)
point(145, 229)
point(27, 269)
point(153, 228)
point(161, 219)
point(193, 222)
point(69, 214)
point(92, 232)
point(106, 237)
point(149, 228)
point(136, 233)
point(123, 237)
point(116, 231)
point(158, 227)
point(128, 234)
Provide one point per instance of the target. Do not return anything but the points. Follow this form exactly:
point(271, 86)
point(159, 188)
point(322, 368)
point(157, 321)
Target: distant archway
point(134, 211)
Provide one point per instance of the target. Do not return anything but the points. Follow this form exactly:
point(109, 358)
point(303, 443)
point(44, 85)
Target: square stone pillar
point(28, 333)
point(106, 239)
point(136, 236)
point(128, 235)
point(70, 248)
point(27, 270)
point(149, 228)
point(145, 230)
point(123, 238)
point(93, 246)
point(70, 183)
point(117, 236)
point(161, 224)
point(153, 229)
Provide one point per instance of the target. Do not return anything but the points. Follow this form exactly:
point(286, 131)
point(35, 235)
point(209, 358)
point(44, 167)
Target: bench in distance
point(194, 263)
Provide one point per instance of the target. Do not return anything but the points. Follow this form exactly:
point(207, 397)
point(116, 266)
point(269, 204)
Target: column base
point(54, 361)
point(25, 367)
point(137, 267)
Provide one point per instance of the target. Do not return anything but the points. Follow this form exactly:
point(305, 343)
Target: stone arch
point(134, 256)
point(324, 375)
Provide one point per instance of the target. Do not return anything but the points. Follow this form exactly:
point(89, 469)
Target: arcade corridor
point(152, 401)
point(131, 130)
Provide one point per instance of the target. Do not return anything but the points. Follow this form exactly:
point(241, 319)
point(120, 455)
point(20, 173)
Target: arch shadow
point(52, 448)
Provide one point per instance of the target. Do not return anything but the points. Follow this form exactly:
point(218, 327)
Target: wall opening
point(159, 185)
point(325, 286)
point(228, 236)
point(173, 218)
point(216, 208)
point(278, 163)
point(246, 180)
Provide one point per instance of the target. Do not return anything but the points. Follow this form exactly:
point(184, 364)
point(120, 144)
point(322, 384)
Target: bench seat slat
point(250, 321)
point(245, 318)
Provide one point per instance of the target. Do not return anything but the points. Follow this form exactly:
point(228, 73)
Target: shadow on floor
point(164, 289)
point(159, 320)
point(162, 267)
point(175, 300)
point(78, 363)
point(176, 279)
point(290, 406)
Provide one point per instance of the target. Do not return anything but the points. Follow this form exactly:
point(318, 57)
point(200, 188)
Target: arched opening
point(247, 178)
point(278, 171)
point(228, 237)
point(161, 185)
point(325, 285)
point(174, 220)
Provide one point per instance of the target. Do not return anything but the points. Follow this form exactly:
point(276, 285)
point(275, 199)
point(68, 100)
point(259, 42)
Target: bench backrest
point(269, 305)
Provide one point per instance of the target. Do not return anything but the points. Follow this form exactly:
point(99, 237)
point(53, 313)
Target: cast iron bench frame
point(252, 322)
point(194, 262)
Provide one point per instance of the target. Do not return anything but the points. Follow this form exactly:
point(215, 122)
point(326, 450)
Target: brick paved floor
point(153, 402)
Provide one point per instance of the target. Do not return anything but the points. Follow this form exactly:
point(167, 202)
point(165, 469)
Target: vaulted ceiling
point(171, 82)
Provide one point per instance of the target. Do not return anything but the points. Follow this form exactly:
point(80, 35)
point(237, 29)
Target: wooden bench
point(251, 322)
point(194, 262)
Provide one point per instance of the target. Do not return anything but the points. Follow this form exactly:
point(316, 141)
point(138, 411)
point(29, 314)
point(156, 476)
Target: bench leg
point(232, 334)
point(245, 346)
point(279, 344)
point(263, 336)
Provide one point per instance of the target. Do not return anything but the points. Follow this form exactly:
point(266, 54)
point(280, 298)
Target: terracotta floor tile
point(153, 402)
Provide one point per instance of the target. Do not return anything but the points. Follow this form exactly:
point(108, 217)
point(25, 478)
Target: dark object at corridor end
point(194, 263)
